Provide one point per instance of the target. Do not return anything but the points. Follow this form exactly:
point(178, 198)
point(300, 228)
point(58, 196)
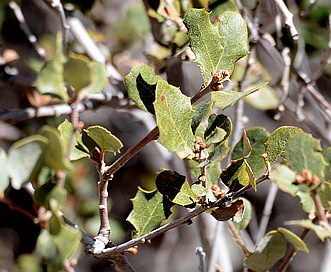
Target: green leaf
point(306, 200)
point(304, 152)
point(247, 216)
point(265, 99)
point(80, 150)
point(23, 158)
point(257, 137)
point(327, 157)
point(67, 241)
point(4, 175)
point(205, 41)
point(277, 142)
point(105, 140)
point(141, 85)
point(284, 178)
point(294, 239)
point(270, 249)
point(199, 190)
point(175, 187)
point(148, 211)
point(54, 154)
point(27, 263)
point(174, 115)
point(324, 192)
point(216, 47)
point(233, 30)
point(46, 247)
point(77, 73)
point(50, 79)
point(200, 112)
point(48, 191)
point(218, 130)
point(225, 99)
point(320, 231)
point(98, 78)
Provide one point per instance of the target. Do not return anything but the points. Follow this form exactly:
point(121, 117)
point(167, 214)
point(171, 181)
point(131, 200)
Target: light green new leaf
point(277, 142)
point(54, 154)
point(141, 86)
point(320, 231)
point(50, 79)
point(225, 99)
point(104, 138)
point(174, 115)
point(23, 158)
point(304, 152)
point(79, 151)
point(270, 249)
point(216, 47)
point(4, 175)
point(306, 201)
point(148, 212)
point(294, 239)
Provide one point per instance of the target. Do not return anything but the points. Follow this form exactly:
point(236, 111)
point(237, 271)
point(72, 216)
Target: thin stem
point(288, 19)
point(292, 253)
point(273, 189)
point(236, 235)
point(202, 259)
point(319, 208)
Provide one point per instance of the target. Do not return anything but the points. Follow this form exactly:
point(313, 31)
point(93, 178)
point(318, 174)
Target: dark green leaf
point(270, 249)
point(148, 211)
point(48, 191)
point(23, 158)
point(50, 79)
point(200, 111)
point(175, 187)
point(234, 211)
point(105, 140)
point(295, 240)
point(174, 116)
point(141, 85)
point(277, 142)
point(219, 129)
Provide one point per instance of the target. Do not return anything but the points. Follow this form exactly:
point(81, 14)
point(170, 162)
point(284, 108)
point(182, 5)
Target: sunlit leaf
point(320, 231)
point(294, 239)
point(324, 192)
point(200, 111)
point(174, 115)
point(284, 177)
point(79, 151)
point(304, 152)
point(98, 78)
point(218, 130)
point(105, 140)
point(246, 218)
point(277, 142)
point(141, 85)
point(216, 47)
point(176, 188)
point(269, 250)
point(148, 211)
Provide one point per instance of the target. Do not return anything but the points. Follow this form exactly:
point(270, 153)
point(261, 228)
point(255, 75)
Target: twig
point(292, 253)
point(288, 18)
point(32, 38)
point(236, 235)
point(58, 8)
point(273, 189)
point(202, 259)
point(286, 74)
point(319, 209)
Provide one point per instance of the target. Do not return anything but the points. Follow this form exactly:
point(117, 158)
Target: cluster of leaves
point(291, 158)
